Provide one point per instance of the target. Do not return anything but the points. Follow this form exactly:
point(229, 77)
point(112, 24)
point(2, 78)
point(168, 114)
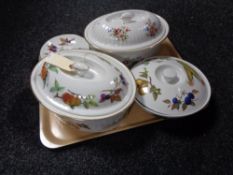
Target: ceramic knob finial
point(170, 75)
point(81, 68)
point(127, 17)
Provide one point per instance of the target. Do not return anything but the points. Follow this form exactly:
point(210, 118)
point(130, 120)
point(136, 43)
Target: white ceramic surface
point(95, 98)
point(61, 43)
point(171, 87)
point(127, 34)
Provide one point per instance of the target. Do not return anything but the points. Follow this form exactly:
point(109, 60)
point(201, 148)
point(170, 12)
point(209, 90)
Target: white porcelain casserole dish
point(128, 35)
point(94, 99)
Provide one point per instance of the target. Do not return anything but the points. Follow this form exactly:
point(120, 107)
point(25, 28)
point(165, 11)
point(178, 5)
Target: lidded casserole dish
point(128, 35)
point(95, 95)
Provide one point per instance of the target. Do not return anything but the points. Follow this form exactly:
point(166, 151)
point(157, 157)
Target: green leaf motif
point(93, 103)
point(85, 104)
point(56, 84)
point(142, 84)
point(167, 101)
point(173, 106)
point(192, 103)
point(53, 68)
point(56, 87)
point(90, 101)
point(184, 106)
point(144, 74)
point(155, 96)
point(155, 92)
point(190, 72)
point(53, 89)
point(178, 106)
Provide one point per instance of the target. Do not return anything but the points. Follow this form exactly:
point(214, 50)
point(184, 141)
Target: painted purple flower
point(123, 80)
point(52, 48)
point(113, 95)
point(104, 97)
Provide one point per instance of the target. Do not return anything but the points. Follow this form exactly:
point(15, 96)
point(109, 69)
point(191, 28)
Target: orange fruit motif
point(71, 100)
point(115, 98)
point(141, 86)
point(44, 72)
point(153, 31)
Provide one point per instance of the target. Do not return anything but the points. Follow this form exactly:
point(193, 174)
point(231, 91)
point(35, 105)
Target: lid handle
point(127, 17)
point(81, 68)
point(170, 76)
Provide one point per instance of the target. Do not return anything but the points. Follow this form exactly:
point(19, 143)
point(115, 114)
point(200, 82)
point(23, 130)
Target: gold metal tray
point(56, 133)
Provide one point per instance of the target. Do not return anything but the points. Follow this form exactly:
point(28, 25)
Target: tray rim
point(51, 145)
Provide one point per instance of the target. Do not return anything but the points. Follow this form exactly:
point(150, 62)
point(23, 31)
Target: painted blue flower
point(146, 28)
point(184, 100)
point(175, 100)
point(190, 95)
point(187, 100)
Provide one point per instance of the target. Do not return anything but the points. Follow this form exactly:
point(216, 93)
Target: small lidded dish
point(128, 35)
point(170, 87)
point(95, 95)
point(63, 42)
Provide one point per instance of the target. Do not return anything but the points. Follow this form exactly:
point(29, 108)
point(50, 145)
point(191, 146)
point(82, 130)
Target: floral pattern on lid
point(184, 100)
point(63, 42)
point(127, 28)
point(120, 33)
point(183, 88)
point(150, 28)
point(66, 41)
point(72, 93)
point(145, 86)
point(74, 99)
point(191, 73)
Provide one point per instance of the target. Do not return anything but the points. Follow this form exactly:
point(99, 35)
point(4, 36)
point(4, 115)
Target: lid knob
point(170, 75)
point(127, 17)
point(81, 68)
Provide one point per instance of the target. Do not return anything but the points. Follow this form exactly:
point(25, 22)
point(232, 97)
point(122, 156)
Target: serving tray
point(56, 133)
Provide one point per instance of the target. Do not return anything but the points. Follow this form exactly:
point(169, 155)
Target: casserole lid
point(99, 86)
point(127, 29)
point(170, 87)
point(63, 42)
